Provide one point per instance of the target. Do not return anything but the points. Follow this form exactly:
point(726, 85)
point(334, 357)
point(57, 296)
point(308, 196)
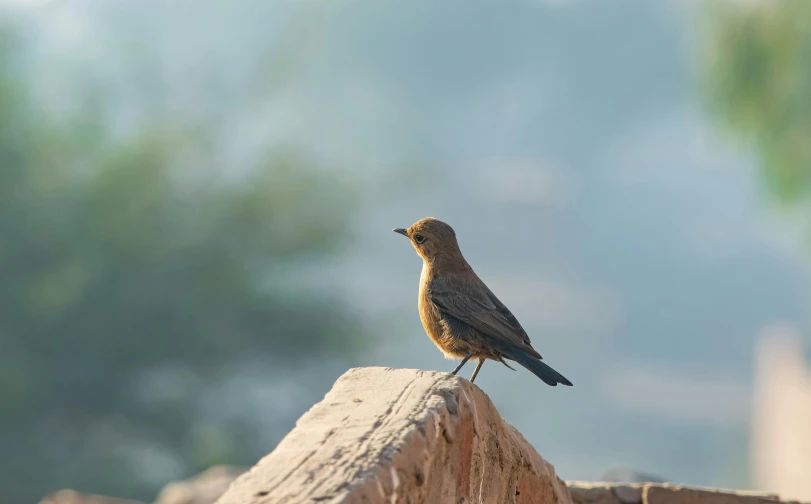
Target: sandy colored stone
point(204, 488)
point(591, 493)
point(677, 494)
point(628, 494)
point(662, 493)
point(605, 493)
point(401, 436)
point(73, 497)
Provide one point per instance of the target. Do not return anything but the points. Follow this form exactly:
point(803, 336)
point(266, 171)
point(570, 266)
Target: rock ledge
point(401, 435)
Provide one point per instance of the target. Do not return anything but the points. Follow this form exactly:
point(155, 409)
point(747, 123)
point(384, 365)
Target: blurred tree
point(132, 279)
point(758, 68)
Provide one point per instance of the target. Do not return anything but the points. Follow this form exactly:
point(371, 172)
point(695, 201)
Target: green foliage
point(134, 275)
point(758, 69)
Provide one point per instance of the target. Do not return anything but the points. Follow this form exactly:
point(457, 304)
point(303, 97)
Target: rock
point(73, 497)
point(676, 494)
point(591, 493)
point(628, 494)
point(605, 493)
point(656, 493)
point(204, 488)
point(400, 435)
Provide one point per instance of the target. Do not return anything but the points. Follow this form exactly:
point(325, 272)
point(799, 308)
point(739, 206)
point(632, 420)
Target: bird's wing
point(507, 314)
point(469, 300)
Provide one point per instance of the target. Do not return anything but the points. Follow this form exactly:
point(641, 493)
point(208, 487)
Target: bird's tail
point(538, 367)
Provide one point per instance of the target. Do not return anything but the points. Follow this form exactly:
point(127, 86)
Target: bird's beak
point(401, 231)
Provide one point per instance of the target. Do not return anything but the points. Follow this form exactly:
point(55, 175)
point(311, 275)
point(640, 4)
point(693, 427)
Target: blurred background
point(197, 197)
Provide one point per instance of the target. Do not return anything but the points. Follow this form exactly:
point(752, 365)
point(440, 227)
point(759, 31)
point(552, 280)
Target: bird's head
point(433, 240)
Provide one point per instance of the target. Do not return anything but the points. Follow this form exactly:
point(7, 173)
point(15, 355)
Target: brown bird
point(460, 314)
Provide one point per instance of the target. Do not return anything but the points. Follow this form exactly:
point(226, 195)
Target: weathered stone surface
point(658, 493)
point(676, 494)
point(628, 494)
point(204, 488)
point(588, 493)
point(605, 493)
point(73, 497)
point(400, 435)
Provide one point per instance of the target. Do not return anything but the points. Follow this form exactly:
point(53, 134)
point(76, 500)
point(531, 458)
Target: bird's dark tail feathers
point(538, 367)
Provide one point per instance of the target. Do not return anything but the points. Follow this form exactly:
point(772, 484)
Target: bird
point(461, 314)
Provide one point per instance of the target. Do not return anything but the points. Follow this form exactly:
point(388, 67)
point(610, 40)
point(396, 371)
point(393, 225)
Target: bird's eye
point(419, 238)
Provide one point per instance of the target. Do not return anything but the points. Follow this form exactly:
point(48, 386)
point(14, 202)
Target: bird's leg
point(461, 364)
point(476, 371)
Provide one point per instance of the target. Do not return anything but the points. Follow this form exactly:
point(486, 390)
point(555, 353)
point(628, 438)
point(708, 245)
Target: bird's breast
point(431, 317)
point(428, 311)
